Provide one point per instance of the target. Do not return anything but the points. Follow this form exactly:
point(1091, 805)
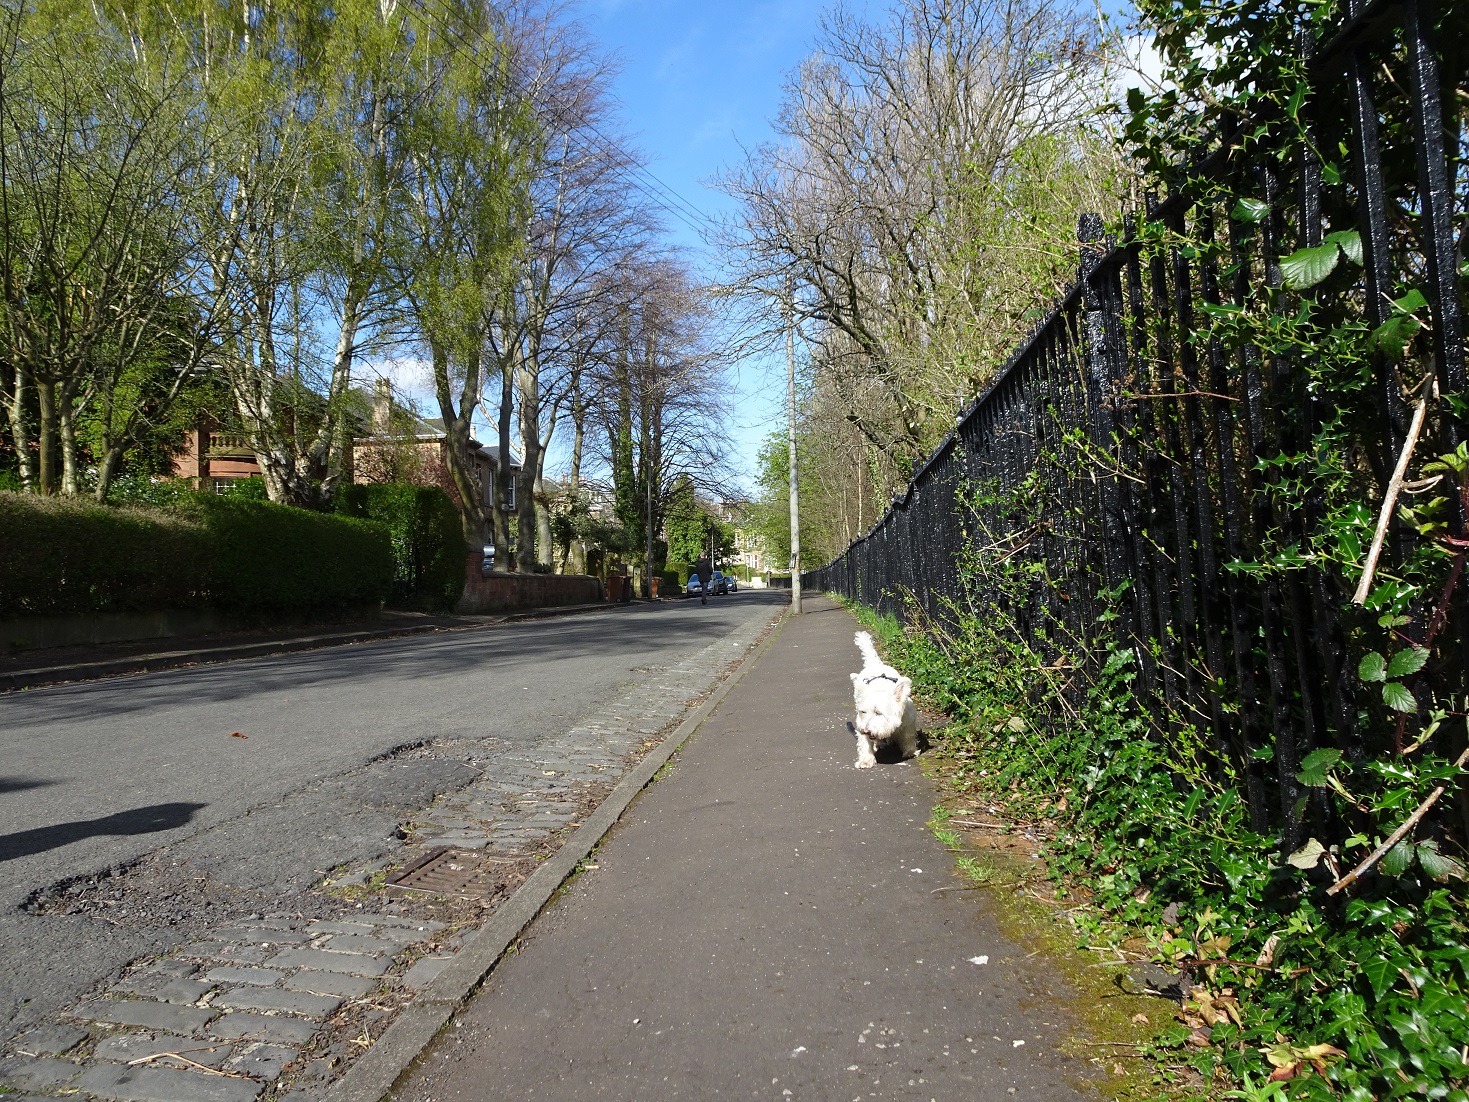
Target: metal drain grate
point(465, 873)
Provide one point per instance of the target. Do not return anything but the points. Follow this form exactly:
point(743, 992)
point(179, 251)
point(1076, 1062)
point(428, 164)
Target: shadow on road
point(447, 657)
point(20, 784)
point(140, 820)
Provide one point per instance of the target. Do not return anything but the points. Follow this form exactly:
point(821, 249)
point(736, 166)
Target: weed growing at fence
point(1358, 998)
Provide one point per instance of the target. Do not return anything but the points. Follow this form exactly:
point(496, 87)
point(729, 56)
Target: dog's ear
point(905, 689)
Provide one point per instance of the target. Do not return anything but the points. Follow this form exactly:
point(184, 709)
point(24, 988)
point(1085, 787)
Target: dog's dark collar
point(879, 677)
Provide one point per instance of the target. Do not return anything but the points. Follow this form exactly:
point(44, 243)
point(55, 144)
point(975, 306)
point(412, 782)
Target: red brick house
point(394, 445)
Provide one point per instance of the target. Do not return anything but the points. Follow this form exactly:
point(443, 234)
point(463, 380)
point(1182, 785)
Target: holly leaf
point(1373, 667)
point(1438, 865)
point(1407, 661)
point(1314, 767)
point(1308, 267)
point(1397, 697)
point(1395, 861)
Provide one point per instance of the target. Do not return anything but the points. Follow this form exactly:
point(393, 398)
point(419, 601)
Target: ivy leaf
point(1407, 661)
point(1250, 210)
point(1349, 242)
point(1397, 697)
point(1381, 973)
point(1314, 767)
point(1396, 860)
point(1263, 753)
point(1373, 667)
point(1308, 267)
point(1436, 864)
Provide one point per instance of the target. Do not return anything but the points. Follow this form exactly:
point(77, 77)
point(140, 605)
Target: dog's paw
point(865, 763)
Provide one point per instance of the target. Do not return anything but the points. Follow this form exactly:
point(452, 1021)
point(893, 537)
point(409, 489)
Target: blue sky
point(699, 83)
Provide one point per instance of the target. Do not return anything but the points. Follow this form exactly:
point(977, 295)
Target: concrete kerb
point(373, 1076)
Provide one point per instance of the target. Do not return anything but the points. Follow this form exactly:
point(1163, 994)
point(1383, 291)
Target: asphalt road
point(99, 775)
point(767, 922)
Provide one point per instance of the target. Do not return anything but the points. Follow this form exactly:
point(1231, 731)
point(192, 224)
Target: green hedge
point(278, 560)
point(67, 556)
point(428, 541)
point(681, 570)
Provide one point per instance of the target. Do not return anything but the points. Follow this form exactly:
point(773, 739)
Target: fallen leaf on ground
point(236, 734)
point(1139, 1019)
point(1291, 1060)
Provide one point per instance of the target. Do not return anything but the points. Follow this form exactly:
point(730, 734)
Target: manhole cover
point(465, 873)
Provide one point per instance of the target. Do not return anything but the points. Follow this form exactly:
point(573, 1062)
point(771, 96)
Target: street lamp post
point(791, 431)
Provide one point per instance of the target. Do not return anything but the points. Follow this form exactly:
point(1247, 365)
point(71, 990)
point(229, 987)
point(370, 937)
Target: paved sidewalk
point(764, 924)
point(281, 1002)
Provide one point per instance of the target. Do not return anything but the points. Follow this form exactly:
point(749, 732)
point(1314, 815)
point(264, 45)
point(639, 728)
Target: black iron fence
point(1200, 437)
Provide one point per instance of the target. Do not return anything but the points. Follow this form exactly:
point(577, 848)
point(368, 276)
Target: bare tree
point(583, 223)
point(893, 197)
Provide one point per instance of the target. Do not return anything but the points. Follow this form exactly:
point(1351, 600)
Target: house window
point(510, 494)
point(222, 485)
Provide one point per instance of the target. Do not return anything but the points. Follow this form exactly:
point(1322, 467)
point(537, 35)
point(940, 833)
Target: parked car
point(718, 585)
point(694, 589)
point(732, 584)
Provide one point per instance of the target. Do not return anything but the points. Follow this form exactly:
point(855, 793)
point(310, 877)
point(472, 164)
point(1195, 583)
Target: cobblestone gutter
point(278, 1005)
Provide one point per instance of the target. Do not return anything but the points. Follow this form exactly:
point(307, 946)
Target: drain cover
point(465, 873)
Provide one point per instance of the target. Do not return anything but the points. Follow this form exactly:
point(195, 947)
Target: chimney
point(382, 408)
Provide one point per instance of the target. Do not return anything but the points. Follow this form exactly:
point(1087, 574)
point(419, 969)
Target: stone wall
point(517, 592)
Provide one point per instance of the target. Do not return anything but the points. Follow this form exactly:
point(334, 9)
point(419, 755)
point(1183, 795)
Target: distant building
point(749, 545)
point(392, 444)
point(401, 446)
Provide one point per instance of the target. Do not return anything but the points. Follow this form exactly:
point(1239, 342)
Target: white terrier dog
point(885, 712)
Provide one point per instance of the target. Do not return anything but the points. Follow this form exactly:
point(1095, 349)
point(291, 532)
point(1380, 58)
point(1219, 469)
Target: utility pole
point(791, 430)
point(648, 562)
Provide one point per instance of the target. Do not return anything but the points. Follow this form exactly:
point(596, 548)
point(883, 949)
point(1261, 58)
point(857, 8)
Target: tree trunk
point(456, 445)
point(67, 438)
point(528, 385)
point(500, 522)
point(45, 437)
point(106, 472)
point(576, 552)
point(15, 409)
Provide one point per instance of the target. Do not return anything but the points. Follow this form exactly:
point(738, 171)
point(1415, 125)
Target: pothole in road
point(151, 893)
